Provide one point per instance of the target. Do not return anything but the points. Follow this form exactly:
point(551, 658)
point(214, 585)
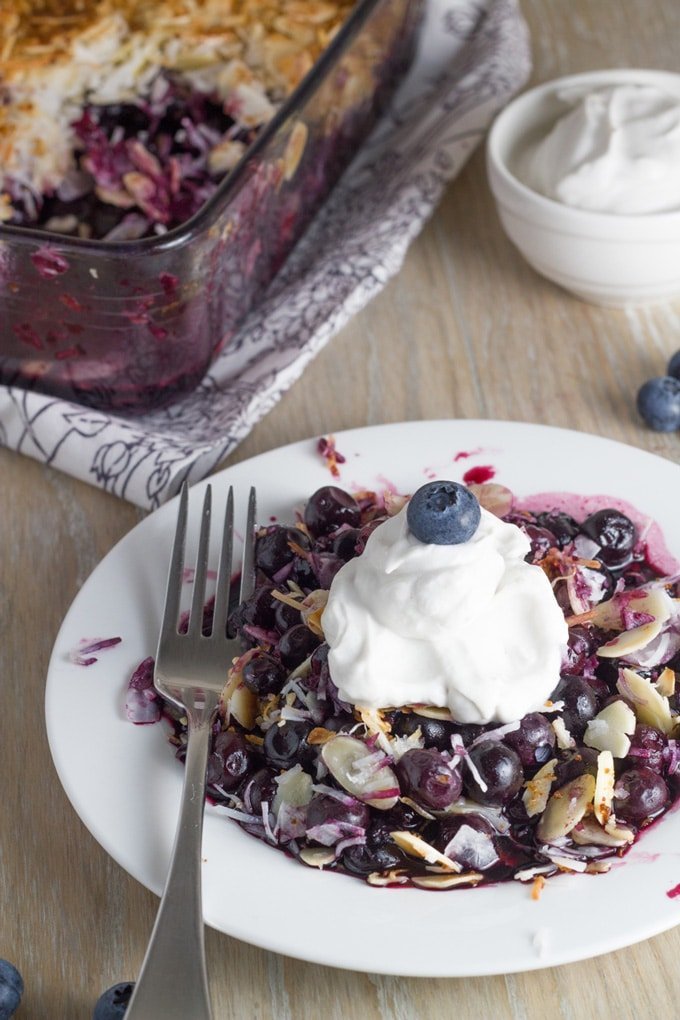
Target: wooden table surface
point(466, 330)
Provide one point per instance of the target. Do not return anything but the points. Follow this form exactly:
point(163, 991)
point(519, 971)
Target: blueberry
point(329, 508)
point(658, 402)
point(674, 365)
point(114, 1002)
point(443, 513)
point(427, 778)
point(499, 768)
point(263, 675)
point(639, 794)
point(11, 989)
point(296, 645)
point(614, 532)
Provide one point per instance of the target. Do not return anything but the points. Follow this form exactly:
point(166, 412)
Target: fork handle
point(173, 981)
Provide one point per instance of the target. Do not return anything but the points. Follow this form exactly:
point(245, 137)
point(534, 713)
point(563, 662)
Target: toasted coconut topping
point(418, 808)
point(564, 737)
point(537, 887)
point(58, 55)
point(377, 726)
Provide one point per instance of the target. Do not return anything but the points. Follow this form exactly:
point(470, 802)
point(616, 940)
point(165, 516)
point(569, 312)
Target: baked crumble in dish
point(139, 225)
point(407, 795)
point(119, 119)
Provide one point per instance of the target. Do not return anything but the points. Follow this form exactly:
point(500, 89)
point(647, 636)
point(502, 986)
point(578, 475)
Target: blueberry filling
point(407, 795)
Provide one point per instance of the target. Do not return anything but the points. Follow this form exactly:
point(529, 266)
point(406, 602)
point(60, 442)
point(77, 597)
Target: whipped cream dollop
point(616, 150)
point(470, 626)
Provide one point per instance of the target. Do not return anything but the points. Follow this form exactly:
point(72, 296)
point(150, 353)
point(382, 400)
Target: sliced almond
point(619, 831)
point(665, 683)
point(566, 808)
point(604, 787)
point(432, 712)
point(651, 707)
point(312, 607)
point(529, 874)
point(394, 502)
point(589, 832)
point(653, 602)
point(537, 790)
point(395, 877)
point(495, 498)
point(446, 881)
point(414, 846)
point(569, 863)
point(317, 856)
point(237, 699)
point(598, 867)
point(611, 729)
point(319, 735)
point(630, 641)
point(378, 787)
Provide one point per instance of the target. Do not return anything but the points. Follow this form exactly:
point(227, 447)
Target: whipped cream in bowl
point(471, 626)
point(615, 149)
point(584, 171)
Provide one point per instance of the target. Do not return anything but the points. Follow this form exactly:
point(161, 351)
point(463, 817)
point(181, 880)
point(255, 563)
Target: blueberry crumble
point(119, 119)
point(412, 792)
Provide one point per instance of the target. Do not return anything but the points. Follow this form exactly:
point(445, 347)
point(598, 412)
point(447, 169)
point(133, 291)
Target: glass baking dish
point(129, 326)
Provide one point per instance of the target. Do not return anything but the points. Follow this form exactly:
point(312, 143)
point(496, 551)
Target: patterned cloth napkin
point(473, 55)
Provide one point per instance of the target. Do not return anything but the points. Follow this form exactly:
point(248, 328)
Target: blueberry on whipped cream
point(465, 624)
point(443, 513)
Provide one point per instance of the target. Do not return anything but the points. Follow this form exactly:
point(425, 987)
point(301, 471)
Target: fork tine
point(173, 590)
point(200, 576)
point(224, 570)
point(248, 563)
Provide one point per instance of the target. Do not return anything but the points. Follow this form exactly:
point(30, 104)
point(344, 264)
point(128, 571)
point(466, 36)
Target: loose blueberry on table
point(407, 795)
point(658, 399)
point(11, 989)
point(113, 1004)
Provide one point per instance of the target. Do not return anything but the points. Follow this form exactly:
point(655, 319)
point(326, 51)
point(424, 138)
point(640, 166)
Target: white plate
point(125, 784)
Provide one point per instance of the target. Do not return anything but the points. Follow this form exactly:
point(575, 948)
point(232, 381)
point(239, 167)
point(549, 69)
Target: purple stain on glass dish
point(179, 210)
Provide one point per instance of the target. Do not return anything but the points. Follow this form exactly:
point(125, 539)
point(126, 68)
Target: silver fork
point(190, 672)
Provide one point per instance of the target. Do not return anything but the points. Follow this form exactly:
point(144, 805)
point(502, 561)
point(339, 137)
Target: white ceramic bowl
point(605, 258)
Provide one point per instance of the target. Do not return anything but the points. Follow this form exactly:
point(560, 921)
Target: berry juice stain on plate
point(479, 474)
point(673, 893)
point(464, 454)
